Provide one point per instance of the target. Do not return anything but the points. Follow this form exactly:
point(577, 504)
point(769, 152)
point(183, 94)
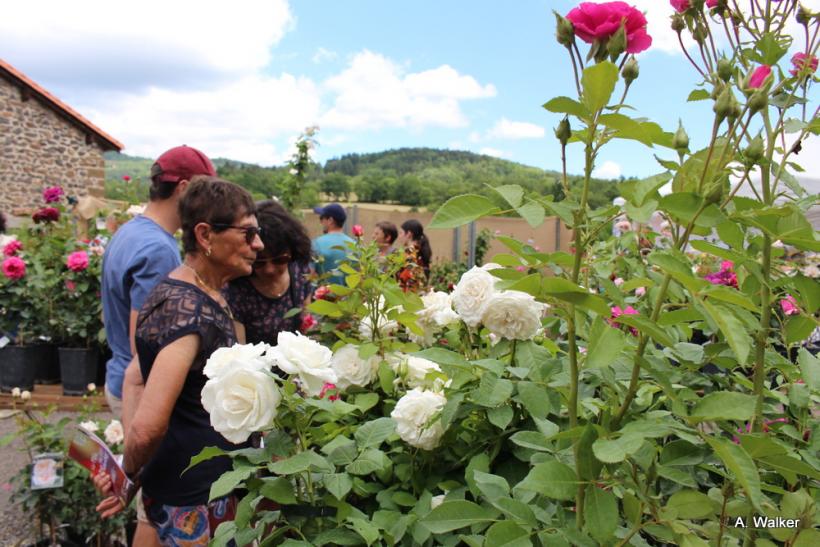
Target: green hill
point(419, 177)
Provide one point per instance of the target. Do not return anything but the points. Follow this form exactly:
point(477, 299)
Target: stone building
point(44, 142)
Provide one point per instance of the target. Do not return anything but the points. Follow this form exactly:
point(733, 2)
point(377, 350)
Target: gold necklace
point(203, 285)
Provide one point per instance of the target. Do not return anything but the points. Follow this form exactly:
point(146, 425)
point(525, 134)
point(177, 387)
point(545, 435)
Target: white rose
point(514, 315)
point(15, 392)
point(309, 360)
point(91, 387)
point(352, 370)
point(414, 371)
point(241, 401)
point(472, 292)
point(25, 395)
point(436, 314)
point(412, 415)
point(247, 355)
point(90, 426)
point(114, 433)
point(384, 326)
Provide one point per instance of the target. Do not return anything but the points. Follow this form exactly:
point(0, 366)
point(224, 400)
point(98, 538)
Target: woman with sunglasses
point(182, 322)
point(278, 283)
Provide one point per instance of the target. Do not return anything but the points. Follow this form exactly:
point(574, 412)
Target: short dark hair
point(282, 232)
point(161, 190)
point(388, 229)
point(213, 201)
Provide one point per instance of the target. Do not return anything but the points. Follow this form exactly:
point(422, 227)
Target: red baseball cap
point(181, 163)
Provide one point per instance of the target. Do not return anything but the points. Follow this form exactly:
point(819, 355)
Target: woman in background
point(419, 254)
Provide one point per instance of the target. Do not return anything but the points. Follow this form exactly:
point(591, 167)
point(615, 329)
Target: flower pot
point(46, 365)
point(78, 368)
point(16, 368)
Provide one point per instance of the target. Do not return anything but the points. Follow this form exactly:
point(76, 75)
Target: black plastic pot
point(16, 368)
point(46, 365)
point(78, 368)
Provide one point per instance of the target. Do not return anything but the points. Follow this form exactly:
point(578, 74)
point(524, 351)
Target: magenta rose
point(759, 76)
point(800, 61)
point(600, 21)
point(14, 267)
point(617, 312)
point(77, 261)
point(680, 5)
point(12, 247)
point(46, 214)
point(70, 285)
point(712, 3)
point(53, 194)
point(789, 305)
point(358, 231)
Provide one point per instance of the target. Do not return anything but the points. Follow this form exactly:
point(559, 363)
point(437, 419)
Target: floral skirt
point(191, 525)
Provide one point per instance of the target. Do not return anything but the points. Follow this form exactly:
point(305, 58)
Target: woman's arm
point(161, 392)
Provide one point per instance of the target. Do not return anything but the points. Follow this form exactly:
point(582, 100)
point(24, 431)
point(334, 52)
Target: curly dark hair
point(282, 232)
point(213, 201)
point(2, 223)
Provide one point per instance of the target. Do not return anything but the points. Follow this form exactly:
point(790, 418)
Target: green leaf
point(534, 398)
point(338, 484)
point(492, 487)
point(617, 450)
point(365, 401)
point(689, 504)
point(598, 83)
point(698, 95)
point(278, 489)
point(370, 461)
point(551, 479)
point(533, 440)
point(638, 192)
point(516, 510)
point(733, 330)
point(798, 328)
point(500, 416)
point(507, 534)
point(512, 193)
point(565, 105)
point(809, 368)
point(769, 49)
point(461, 210)
point(207, 453)
point(568, 291)
point(604, 345)
point(532, 212)
point(325, 307)
point(492, 390)
point(790, 468)
point(452, 515)
point(370, 534)
point(731, 234)
point(809, 292)
point(373, 433)
point(732, 296)
point(741, 466)
point(300, 462)
point(690, 174)
point(229, 480)
point(601, 512)
point(647, 327)
point(724, 405)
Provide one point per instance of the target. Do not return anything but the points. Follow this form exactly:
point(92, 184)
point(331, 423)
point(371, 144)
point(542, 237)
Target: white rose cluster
point(307, 359)
point(352, 370)
point(384, 325)
point(413, 414)
point(472, 292)
point(436, 314)
point(241, 396)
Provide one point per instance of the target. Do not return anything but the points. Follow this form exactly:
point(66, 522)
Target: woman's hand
point(111, 505)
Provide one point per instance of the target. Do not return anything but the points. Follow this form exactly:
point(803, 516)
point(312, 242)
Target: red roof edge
point(106, 141)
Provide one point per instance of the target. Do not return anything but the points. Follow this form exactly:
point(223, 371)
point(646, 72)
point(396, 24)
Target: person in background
point(182, 322)
point(4, 239)
point(330, 249)
point(415, 274)
point(385, 234)
point(278, 282)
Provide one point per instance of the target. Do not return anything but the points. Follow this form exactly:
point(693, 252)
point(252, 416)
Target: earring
point(208, 251)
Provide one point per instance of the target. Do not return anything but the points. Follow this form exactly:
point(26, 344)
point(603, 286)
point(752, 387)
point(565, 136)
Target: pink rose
point(800, 61)
point(617, 312)
point(53, 194)
point(358, 231)
point(618, 281)
point(521, 268)
point(126, 178)
point(789, 305)
point(321, 292)
point(308, 322)
point(70, 285)
point(759, 76)
point(14, 267)
point(77, 261)
point(640, 291)
point(46, 214)
point(12, 247)
point(597, 22)
point(330, 390)
point(712, 3)
point(680, 5)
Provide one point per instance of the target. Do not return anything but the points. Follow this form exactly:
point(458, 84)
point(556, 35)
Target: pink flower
point(680, 5)
point(53, 194)
point(330, 390)
point(618, 281)
point(617, 312)
point(126, 178)
point(521, 268)
point(308, 322)
point(759, 76)
point(726, 275)
point(789, 305)
point(14, 267)
point(321, 292)
point(46, 214)
point(712, 3)
point(358, 231)
point(640, 291)
point(77, 261)
point(12, 247)
point(70, 285)
point(801, 60)
point(597, 22)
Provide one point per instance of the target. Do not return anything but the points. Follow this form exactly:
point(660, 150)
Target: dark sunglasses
point(250, 231)
point(278, 260)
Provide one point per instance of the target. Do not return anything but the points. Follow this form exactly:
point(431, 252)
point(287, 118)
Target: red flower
point(712, 3)
point(597, 22)
point(53, 194)
point(12, 247)
point(77, 261)
point(800, 61)
point(680, 5)
point(70, 285)
point(46, 214)
point(358, 231)
point(126, 178)
point(330, 390)
point(308, 322)
point(14, 267)
point(789, 305)
point(321, 292)
point(759, 76)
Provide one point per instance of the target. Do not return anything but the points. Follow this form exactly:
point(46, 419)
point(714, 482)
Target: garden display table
point(47, 395)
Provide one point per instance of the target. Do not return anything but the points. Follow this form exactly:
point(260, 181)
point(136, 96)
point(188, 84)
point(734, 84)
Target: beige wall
point(550, 236)
point(39, 148)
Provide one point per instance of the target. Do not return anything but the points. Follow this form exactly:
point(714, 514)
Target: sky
point(242, 80)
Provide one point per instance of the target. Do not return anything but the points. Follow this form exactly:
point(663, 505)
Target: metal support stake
point(471, 244)
point(456, 244)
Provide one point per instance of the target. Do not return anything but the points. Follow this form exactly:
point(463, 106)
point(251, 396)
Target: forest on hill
point(417, 177)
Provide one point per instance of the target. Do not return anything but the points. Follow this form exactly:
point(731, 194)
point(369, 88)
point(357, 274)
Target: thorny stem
point(686, 53)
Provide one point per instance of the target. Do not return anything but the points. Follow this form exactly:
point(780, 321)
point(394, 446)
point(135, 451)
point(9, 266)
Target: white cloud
point(487, 151)
point(658, 24)
point(374, 92)
point(506, 129)
point(607, 170)
point(323, 55)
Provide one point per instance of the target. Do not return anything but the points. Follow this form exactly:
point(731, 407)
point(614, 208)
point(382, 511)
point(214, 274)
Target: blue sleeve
point(148, 270)
point(317, 256)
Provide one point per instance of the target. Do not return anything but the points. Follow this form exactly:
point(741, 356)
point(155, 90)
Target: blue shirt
point(139, 256)
point(328, 258)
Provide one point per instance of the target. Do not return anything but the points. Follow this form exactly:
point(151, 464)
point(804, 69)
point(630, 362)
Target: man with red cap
point(141, 254)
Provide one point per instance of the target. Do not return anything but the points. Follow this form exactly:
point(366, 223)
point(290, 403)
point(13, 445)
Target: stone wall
point(39, 148)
